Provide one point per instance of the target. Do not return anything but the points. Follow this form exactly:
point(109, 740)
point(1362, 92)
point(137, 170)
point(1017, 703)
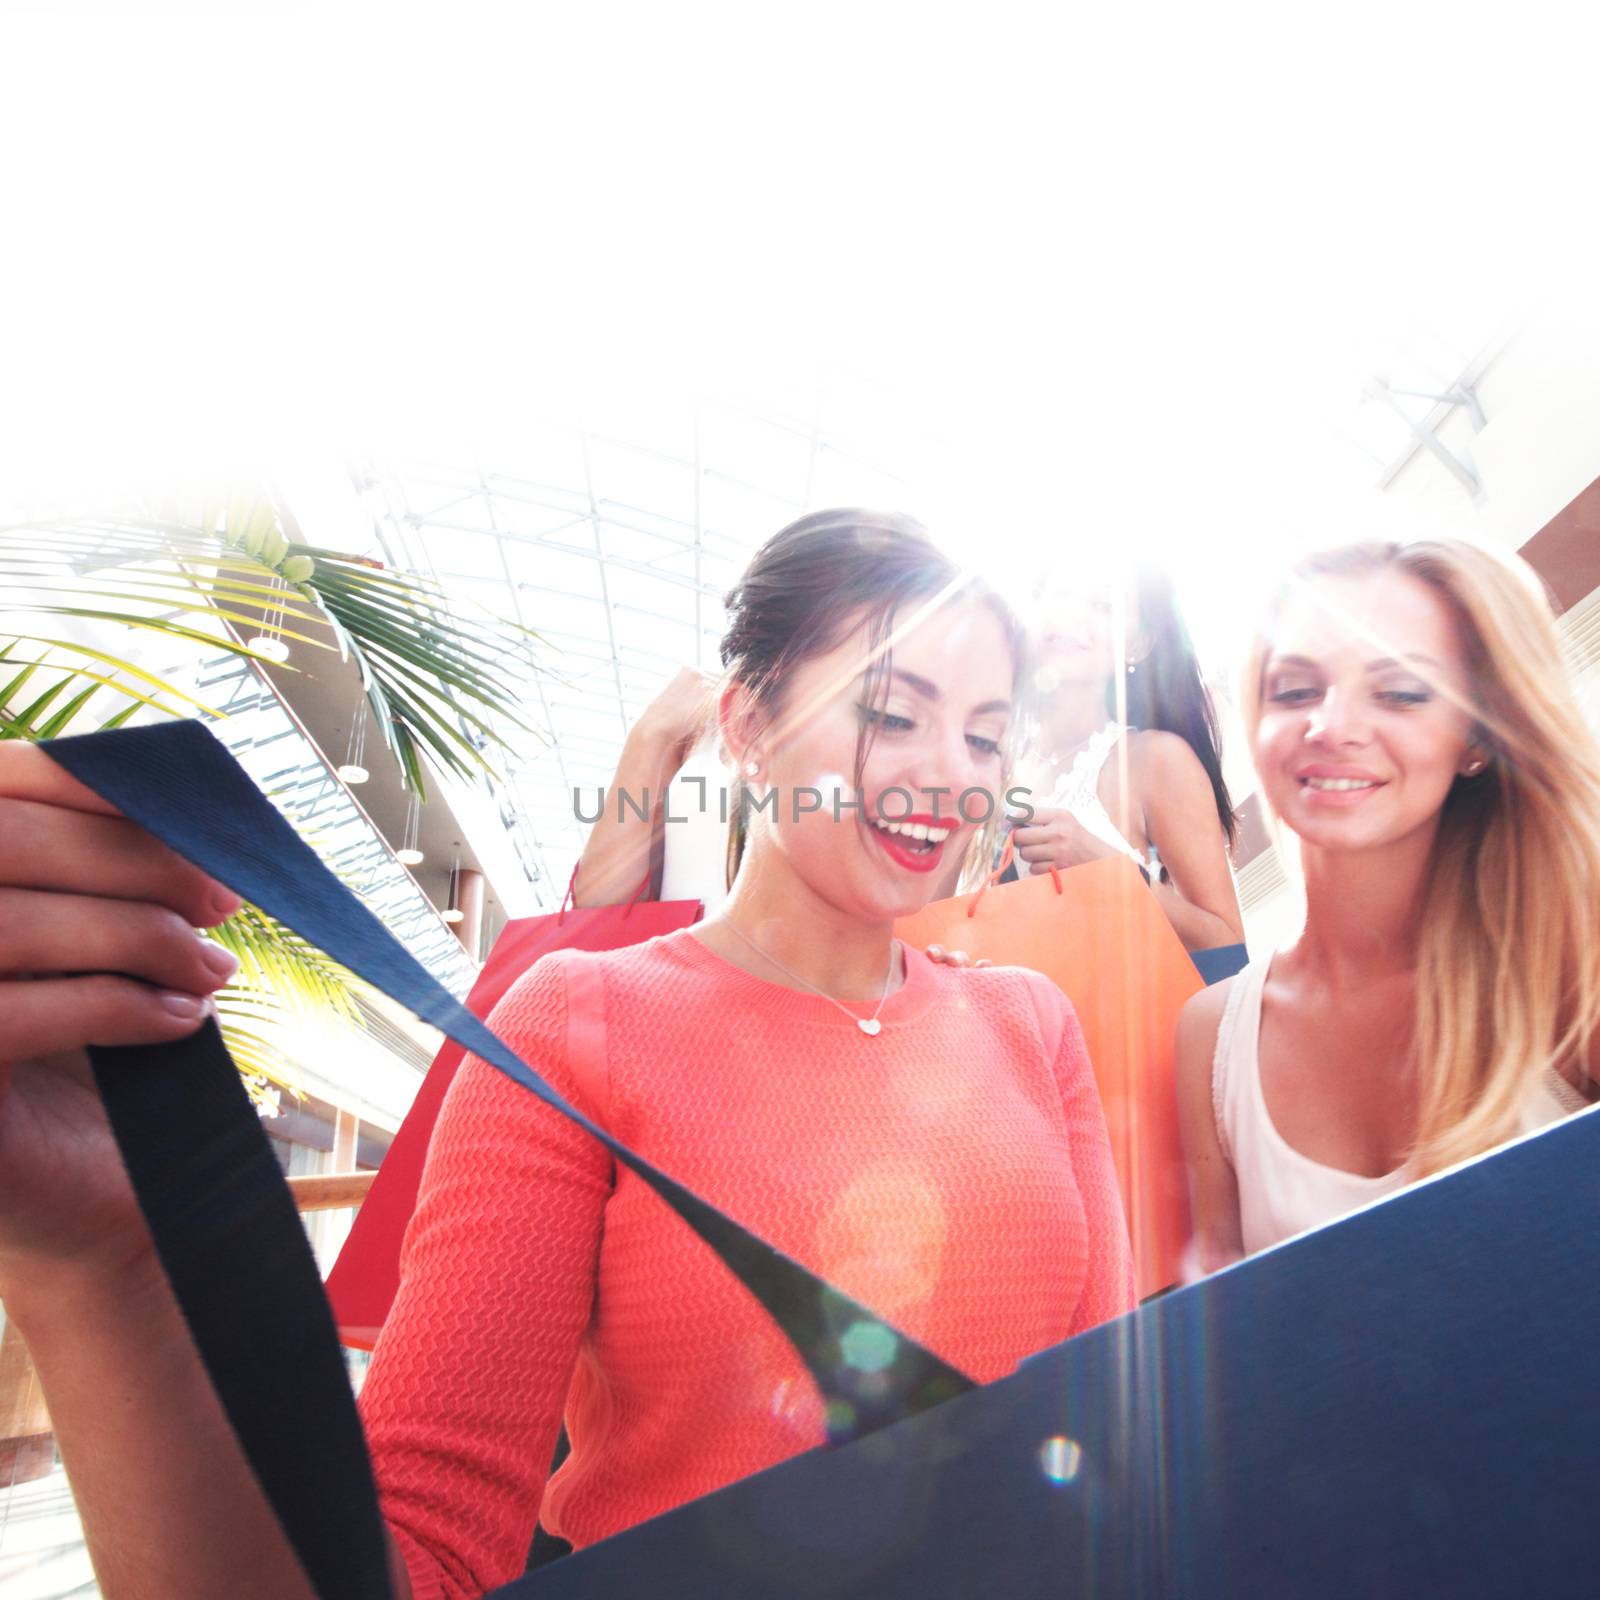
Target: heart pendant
point(868, 1025)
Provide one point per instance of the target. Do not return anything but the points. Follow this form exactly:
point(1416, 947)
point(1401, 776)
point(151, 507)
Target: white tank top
point(1078, 790)
point(1281, 1191)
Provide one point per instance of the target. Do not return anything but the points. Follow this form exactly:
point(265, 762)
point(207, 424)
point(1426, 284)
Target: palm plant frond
point(434, 675)
point(280, 977)
point(277, 962)
point(117, 666)
point(93, 681)
point(254, 1053)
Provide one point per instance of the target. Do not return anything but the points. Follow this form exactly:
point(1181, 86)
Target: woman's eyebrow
point(1383, 663)
point(924, 686)
point(931, 691)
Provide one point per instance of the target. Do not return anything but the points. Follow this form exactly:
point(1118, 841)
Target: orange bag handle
point(994, 877)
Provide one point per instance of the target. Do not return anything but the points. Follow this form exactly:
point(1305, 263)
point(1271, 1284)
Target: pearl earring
point(751, 768)
point(1133, 667)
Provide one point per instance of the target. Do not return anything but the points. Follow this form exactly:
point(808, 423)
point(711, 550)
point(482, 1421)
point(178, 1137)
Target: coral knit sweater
point(952, 1173)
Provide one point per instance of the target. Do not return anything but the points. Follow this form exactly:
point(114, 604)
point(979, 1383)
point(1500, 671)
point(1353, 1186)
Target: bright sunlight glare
point(1086, 281)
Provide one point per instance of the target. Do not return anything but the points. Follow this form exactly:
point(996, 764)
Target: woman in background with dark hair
point(1125, 757)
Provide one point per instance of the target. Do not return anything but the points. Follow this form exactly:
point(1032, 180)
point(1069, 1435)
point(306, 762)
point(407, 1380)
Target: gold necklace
point(868, 1025)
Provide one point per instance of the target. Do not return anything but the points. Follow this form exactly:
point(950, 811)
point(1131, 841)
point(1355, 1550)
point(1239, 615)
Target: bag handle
point(657, 812)
point(239, 1263)
point(569, 901)
point(1006, 852)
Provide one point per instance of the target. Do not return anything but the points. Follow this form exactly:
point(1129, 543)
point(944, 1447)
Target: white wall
point(1539, 448)
point(1540, 445)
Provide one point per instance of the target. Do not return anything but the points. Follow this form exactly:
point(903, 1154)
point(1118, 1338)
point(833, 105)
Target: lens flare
point(868, 1346)
point(1060, 1458)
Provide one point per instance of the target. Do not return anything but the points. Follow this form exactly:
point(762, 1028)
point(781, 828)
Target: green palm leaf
point(435, 677)
point(280, 977)
point(432, 674)
point(276, 960)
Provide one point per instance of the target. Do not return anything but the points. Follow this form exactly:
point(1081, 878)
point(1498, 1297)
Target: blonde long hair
point(1508, 962)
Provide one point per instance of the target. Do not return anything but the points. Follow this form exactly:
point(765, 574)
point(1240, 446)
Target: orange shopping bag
point(1098, 933)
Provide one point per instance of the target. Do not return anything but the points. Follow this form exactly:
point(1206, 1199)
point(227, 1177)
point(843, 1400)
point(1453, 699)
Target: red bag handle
point(656, 813)
point(571, 894)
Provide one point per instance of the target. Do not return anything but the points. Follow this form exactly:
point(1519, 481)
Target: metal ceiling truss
point(1460, 395)
point(594, 681)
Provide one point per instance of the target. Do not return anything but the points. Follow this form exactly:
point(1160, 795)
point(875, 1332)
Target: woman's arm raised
point(1180, 816)
point(618, 855)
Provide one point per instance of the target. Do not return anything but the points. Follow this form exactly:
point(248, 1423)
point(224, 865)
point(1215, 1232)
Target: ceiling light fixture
point(408, 855)
point(351, 771)
point(452, 912)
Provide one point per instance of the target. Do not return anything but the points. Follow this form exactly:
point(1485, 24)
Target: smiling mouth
point(916, 838)
point(915, 845)
point(1339, 785)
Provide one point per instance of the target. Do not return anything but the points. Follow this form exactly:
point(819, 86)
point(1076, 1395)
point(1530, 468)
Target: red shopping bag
point(1098, 934)
point(362, 1285)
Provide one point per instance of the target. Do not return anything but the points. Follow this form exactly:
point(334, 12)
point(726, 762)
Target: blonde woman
point(1411, 723)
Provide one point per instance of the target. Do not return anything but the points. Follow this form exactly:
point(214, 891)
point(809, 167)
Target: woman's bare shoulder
point(1160, 753)
point(1200, 1021)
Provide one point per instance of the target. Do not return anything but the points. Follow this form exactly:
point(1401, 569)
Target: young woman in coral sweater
point(929, 1139)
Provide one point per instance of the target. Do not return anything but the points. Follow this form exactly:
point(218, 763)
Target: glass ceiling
point(617, 552)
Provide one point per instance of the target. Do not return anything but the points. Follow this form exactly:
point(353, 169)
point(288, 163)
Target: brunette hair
point(813, 582)
point(1166, 690)
point(1508, 962)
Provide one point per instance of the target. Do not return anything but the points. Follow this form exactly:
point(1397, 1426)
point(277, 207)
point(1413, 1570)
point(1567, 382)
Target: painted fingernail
point(219, 962)
point(185, 1007)
point(223, 902)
